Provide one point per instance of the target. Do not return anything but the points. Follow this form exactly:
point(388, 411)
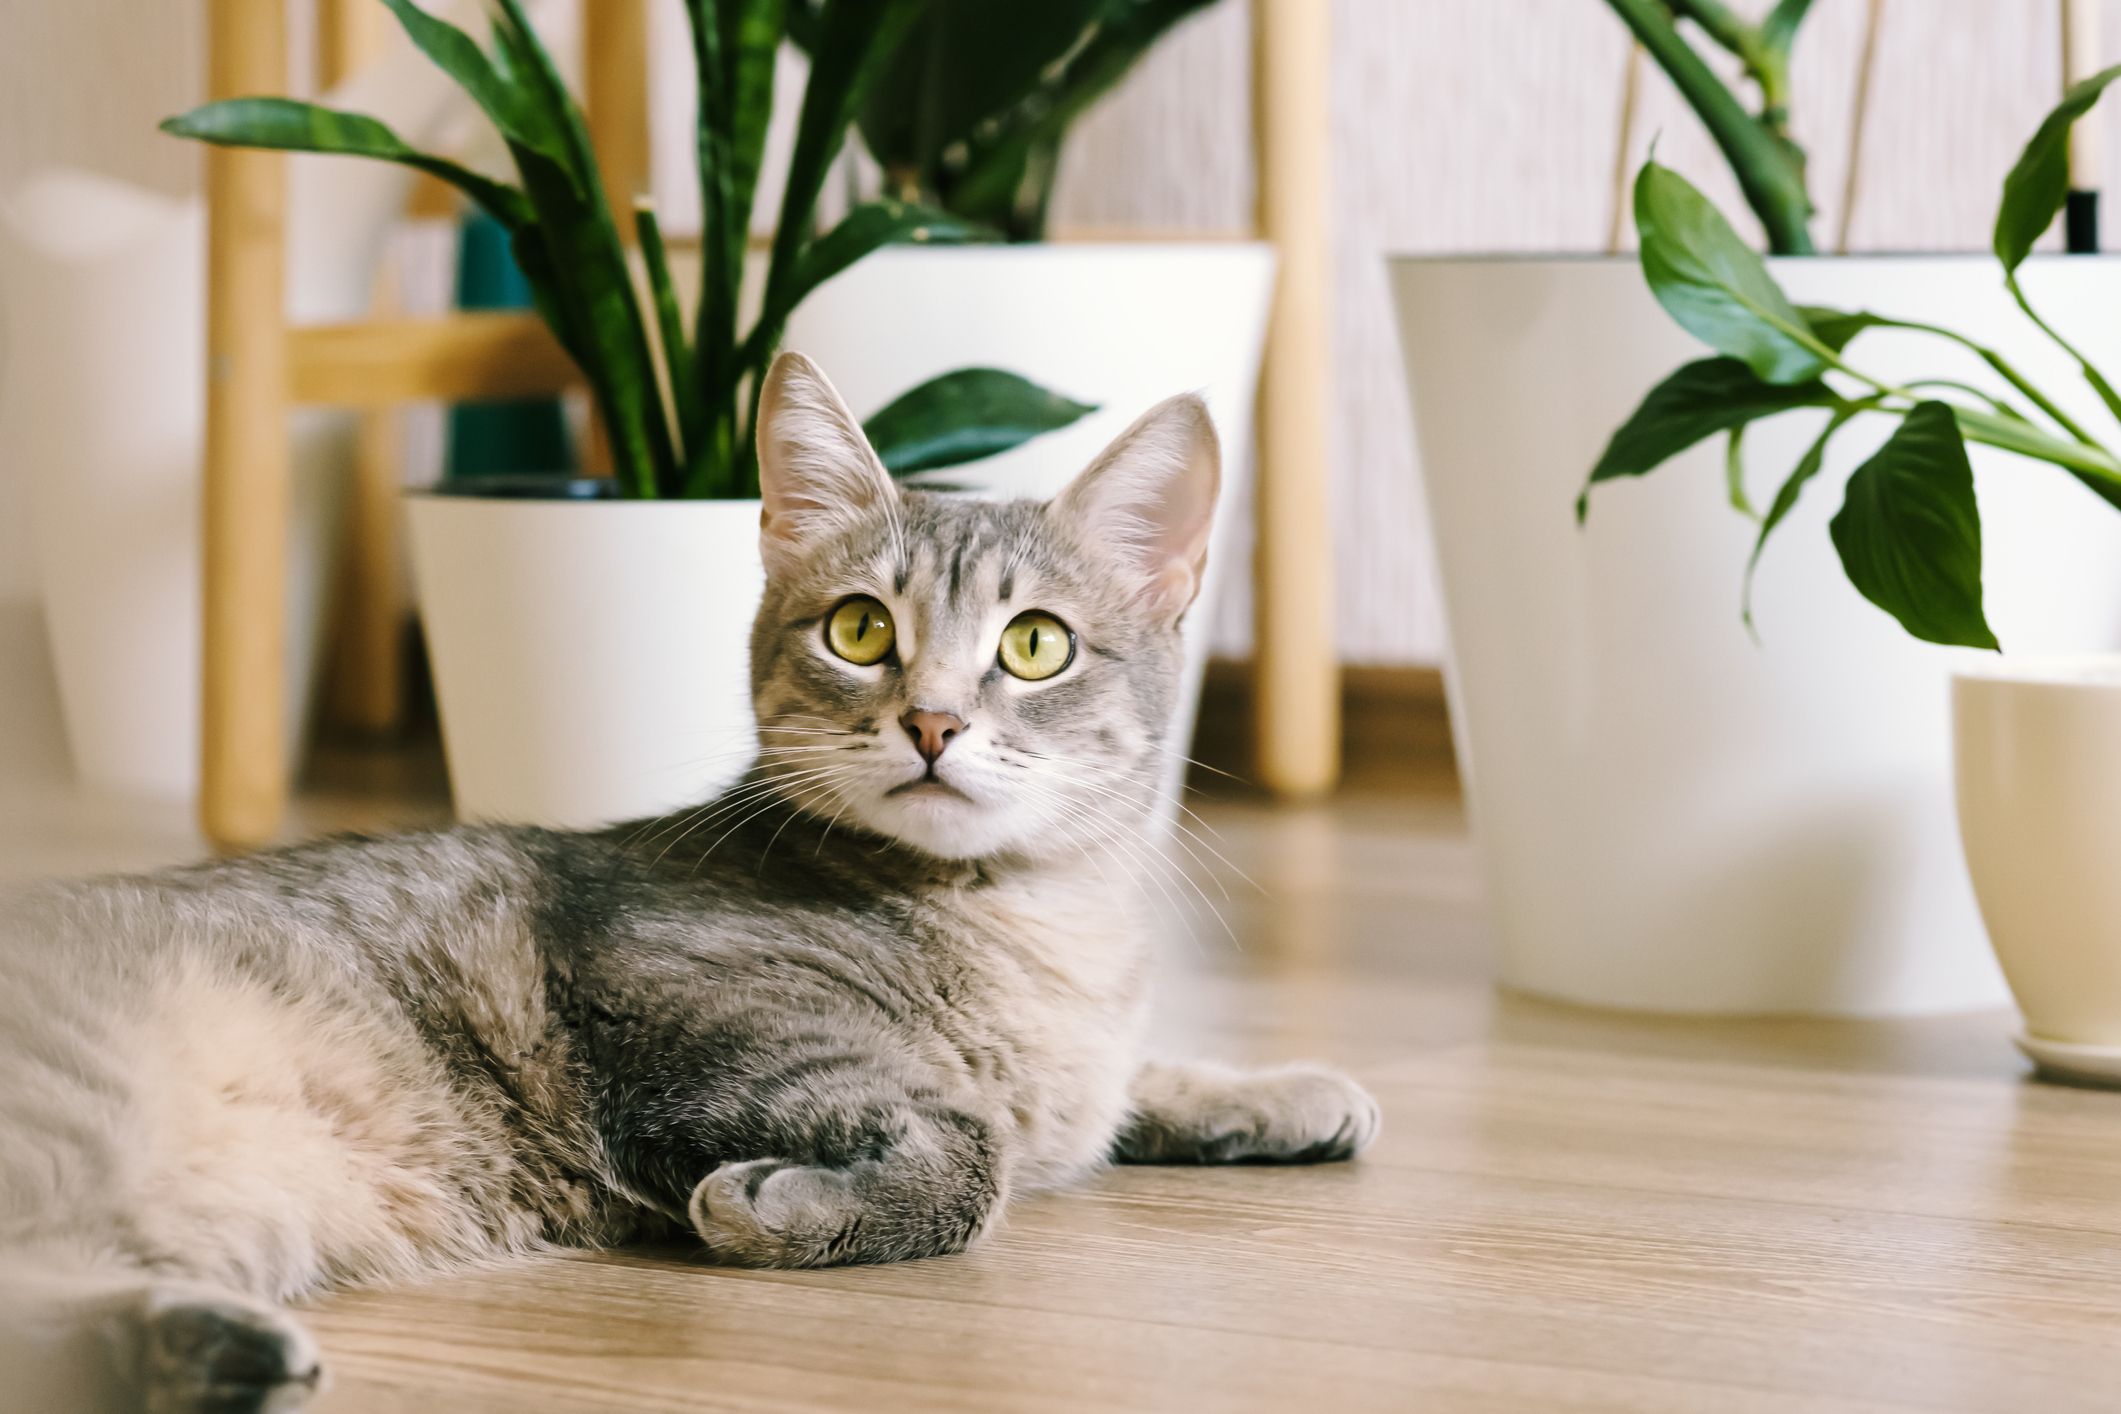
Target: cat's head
point(971, 677)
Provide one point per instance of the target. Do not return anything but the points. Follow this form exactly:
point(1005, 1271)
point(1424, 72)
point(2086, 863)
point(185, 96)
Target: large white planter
point(103, 327)
point(1120, 325)
point(1669, 816)
point(2038, 766)
point(591, 659)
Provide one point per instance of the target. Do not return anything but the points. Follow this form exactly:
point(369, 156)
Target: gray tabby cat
point(840, 1015)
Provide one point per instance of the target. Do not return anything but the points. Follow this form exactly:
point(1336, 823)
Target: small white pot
point(1121, 325)
point(591, 659)
point(2038, 754)
point(1671, 817)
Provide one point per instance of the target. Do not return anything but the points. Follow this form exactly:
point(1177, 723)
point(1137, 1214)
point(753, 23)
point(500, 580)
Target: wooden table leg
point(1297, 673)
point(243, 788)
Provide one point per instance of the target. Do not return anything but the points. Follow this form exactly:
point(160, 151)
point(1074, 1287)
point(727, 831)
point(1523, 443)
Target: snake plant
point(1909, 530)
point(1769, 165)
point(678, 400)
point(969, 112)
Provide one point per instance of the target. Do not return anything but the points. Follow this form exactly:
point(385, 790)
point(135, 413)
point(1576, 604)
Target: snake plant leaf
point(1786, 495)
point(2038, 184)
point(595, 292)
point(862, 231)
point(964, 415)
point(1714, 285)
point(1703, 398)
point(287, 125)
point(963, 63)
point(457, 54)
point(998, 159)
point(1909, 531)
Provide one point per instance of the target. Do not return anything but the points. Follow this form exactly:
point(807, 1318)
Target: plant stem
point(1765, 163)
point(2092, 375)
point(2003, 368)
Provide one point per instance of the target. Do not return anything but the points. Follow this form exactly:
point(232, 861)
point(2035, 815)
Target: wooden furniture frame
point(260, 367)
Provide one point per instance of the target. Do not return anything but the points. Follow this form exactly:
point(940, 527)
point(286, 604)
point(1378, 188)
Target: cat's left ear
point(818, 474)
point(1152, 495)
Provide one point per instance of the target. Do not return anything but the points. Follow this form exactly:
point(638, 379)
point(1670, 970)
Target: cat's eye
point(1036, 645)
point(860, 631)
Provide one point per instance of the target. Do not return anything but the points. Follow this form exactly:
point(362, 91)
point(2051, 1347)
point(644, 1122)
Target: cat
point(842, 1014)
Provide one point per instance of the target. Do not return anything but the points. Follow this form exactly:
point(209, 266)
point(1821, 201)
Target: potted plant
point(970, 116)
point(2037, 742)
point(590, 637)
point(1672, 816)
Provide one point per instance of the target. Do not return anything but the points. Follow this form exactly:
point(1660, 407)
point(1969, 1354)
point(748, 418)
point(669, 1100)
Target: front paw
point(1197, 1114)
point(1300, 1114)
point(769, 1213)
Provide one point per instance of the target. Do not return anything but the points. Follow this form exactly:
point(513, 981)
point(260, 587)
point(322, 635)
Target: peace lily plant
point(1909, 530)
point(678, 400)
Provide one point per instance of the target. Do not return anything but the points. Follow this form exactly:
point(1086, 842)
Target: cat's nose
point(932, 732)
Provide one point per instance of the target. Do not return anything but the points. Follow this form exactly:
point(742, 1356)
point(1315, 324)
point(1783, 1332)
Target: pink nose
point(931, 731)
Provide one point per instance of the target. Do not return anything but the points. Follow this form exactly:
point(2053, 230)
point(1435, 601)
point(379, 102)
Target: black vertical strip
point(2080, 223)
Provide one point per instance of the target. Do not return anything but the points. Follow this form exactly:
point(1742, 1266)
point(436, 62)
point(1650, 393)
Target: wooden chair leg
point(1297, 667)
point(243, 787)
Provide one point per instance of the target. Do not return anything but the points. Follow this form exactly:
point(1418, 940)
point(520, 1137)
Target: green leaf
point(867, 228)
point(459, 55)
point(2038, 185)
point(1837, 328)
point(285, 125)
point(1734, 474)
point(1703, 398)
point(1909, 532)
point(1786, 495)
point(1779, 30)
point(965, 415)
point(1714, 285)
point(1004, 149)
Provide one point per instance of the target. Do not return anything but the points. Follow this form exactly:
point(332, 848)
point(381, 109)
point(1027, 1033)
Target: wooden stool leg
point(243, 790)
point(1297, 667)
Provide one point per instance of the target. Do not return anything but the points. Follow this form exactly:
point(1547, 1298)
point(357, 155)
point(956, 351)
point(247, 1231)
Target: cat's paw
point(201, 1353)
point(1310, 1114)
point(1297, 1114)
point(770, 1213)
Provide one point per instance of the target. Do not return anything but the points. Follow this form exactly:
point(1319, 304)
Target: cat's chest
point(1042, 997)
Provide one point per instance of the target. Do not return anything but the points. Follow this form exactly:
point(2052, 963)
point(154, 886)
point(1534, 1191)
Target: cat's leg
point(891, 1181)
point(1212, 1114)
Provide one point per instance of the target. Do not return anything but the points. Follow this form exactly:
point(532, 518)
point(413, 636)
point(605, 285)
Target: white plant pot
point(105, 391)
point(2038, 757)
point(1121, 325)
point(1669, 816)
point(591, 659)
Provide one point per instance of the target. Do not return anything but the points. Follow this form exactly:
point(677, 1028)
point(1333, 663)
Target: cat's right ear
point(817, 472)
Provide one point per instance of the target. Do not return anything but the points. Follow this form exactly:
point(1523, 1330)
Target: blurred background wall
point(1460, 126)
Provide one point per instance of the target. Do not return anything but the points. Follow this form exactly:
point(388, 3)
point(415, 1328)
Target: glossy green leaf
point(965, 415)
point(1703, 398)
point(1909, 531)
point(285, 125)
point(1837, 328)
point(1786, 495)
point(1714, 285)
point(2038, 184)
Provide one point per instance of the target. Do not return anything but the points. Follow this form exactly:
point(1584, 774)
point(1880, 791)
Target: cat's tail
point(79, 1333)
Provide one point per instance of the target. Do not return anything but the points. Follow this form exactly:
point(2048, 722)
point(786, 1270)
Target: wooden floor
point(1567, 1211)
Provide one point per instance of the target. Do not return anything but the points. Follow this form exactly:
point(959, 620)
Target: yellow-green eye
point(860, 631)
point(1036, 645)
